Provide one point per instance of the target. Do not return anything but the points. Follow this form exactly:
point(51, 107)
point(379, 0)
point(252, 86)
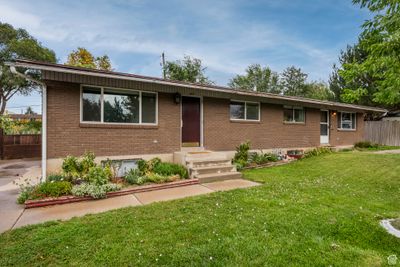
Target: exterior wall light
point(177, 98)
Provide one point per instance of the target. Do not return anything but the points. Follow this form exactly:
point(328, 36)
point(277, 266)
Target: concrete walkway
point(10, 171)
point(68, 211)
point(394, 151)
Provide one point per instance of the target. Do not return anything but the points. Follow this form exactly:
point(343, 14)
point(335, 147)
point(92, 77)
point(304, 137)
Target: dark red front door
point(190, 121)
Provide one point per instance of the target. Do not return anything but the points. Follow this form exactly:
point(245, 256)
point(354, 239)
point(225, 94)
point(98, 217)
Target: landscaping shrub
point(86, 163)
point(98, 175)
point(146, 167)
point(53, 189)
point(168, 169)
point(262, 158)
point(95, 191)
point(155, 171)
point(157, 178)
point(43, 190)
point(114, 165)
point(242, 152)
point(365, 144)
point(317, 152)
point(55, 177)
point(71, 168)
point(134, 177)
point(25, 193)
point(74, 168)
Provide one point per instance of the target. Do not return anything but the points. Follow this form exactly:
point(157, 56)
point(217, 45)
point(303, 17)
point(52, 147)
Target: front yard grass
point(319, 211)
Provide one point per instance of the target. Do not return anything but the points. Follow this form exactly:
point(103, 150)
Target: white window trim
point(293, 108)
point(102, 106)
point(245, 110)
point(351, 120)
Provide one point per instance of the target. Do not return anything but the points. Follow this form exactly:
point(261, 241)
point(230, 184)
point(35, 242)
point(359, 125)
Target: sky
point(226, 35)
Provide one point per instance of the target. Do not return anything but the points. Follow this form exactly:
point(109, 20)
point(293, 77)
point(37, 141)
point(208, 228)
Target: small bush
point(74, 168)
point(240, 164)
point(242, 152)
point(169, 169)
point(146, 167)
point(133, 177)
point(53, 189)
point(43, 190)
point(55, 177)
point(157, 178)
point(365, 144)
point(86, 163)
point(317, 152)
point(262, 158)
point(71, 168)
point(95, 191)
point(114, 165)
point(98, 175)
point(25, 194)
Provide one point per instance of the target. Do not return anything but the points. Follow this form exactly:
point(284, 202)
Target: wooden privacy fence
point(383, 132)
point(20, 146)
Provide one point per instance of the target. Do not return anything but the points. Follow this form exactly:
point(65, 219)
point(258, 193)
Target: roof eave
point(145, 79)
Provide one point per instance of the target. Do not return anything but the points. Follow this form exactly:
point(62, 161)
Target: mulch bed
point(125, 191)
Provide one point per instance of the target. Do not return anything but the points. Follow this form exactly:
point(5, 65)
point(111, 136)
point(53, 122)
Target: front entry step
point(209, 166)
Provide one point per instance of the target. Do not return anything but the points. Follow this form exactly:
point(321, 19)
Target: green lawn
point(319, 211)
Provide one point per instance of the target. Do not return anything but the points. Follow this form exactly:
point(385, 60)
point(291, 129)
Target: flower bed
point(244, 159)
point(126, 191)
point(81, 179)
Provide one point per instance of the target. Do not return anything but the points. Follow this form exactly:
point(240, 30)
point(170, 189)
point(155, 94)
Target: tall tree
point(293, 81)
point(189, 70)
point(381, 41)
point(83, 58)
point(352, 55)
point(318, 90)
point(257, 78)
point(29, 111)
point(18, 43)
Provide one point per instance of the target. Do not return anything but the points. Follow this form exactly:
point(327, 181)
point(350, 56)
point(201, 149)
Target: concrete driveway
point(10, 171)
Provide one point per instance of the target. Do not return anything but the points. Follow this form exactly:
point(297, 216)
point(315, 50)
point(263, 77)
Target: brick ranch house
point(126, 116)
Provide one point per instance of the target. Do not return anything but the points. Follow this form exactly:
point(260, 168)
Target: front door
point(191, 111)
point(324, 127)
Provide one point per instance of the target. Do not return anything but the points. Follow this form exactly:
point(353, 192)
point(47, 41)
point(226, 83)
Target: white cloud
point(225, 44)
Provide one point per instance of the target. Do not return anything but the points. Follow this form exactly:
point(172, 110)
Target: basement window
point(120, 106)
point(243, 110)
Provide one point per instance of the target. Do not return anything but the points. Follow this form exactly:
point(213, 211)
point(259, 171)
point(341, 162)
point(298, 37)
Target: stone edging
point(388, 226)
point(71, 199)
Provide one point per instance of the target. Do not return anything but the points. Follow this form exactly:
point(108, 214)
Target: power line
point(25, 106)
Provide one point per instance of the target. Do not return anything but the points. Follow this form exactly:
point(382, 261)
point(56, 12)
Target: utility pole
point(163, 64)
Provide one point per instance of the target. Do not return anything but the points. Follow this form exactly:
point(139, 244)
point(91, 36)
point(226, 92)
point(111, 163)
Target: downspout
point(44, 118)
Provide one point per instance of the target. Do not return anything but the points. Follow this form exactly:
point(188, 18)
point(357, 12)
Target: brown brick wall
point(344, 138)
point(67, 137)
point(222, 134)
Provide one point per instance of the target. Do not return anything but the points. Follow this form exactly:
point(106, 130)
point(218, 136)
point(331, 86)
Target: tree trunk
point(3, 105)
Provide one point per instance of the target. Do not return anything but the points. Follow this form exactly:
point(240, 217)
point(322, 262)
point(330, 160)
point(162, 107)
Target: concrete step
point(206, 162)
point(213, 177)
point(212, 169)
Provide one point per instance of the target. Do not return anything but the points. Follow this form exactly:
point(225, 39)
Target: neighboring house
point(392, 116)
point(130, 116)
point(25, 117)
